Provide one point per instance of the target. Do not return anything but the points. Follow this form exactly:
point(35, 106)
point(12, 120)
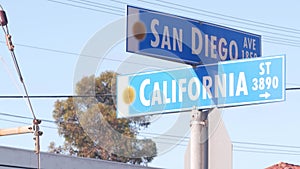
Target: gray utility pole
point(199, 140)
point(35, 128)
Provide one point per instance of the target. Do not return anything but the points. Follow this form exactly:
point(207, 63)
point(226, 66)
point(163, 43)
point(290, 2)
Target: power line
point(186, 10)
point(120, 2)
point(244, 21)
point(275, 40)
point(261, 148)
point(18, 122)
point(293, 83)
point(180, 143)
point(102, 4)
point(164, 135)
point(15, 166)
point(36, 122)
point(266, 149)
point(118, 60)
point(91, 9)
point(11, 48)
point(282, 43)
point(78, 54)
point(266, 152)
point(56, 96)
point(253, 148)
point(293, 88)
point(47, 96)
point(14, 121)
point(174, 144)
point(283, 40)
point(264, 144)
point(290, 42)
point(24, 117)
point(98, 5)
point(171, 139)
point(83, 96)
point(168, 136)
point(225, 17)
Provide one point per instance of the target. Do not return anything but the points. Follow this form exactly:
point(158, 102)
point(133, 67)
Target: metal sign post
point(199, 140)
point(210, 145)
point(196, 126)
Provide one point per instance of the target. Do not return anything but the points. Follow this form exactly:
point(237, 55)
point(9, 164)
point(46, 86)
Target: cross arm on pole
point(16, 130)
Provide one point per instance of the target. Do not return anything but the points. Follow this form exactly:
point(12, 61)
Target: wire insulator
point(37, 134)
point(36, 121)
point(9, 42)
point(3, 18)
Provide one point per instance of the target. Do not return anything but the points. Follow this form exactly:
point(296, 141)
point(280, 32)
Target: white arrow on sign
point(265, 95)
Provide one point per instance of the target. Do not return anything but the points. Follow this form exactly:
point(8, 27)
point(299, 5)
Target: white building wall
point(12, 158)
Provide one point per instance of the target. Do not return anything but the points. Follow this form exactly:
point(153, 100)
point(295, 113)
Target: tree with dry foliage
point(91, 129)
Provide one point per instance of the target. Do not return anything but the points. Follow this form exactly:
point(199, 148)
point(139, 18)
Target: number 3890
point(265, 83)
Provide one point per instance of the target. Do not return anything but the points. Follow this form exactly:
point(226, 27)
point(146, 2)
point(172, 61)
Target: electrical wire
point(78, 6)
point(49, 96)
point(14, 121)
point(9, 72)
point(83, 96)
point(235, 148)
point(18, 122)
point(216, 17)
point(169, 136)
point(100, 5)
point(15, 166)
point(36, 122)
point(292, 88)
point(78, 54)
point(232, 19)
point(266, 152)
point(267, 149)
point(120, 2)
point(244, 21)
point(251, 147)
point(24, 117)
point(96, 5)
point(11, 49)
point(165, 135)
point(273, 40)
point(241, 20)
point(282, 42)
point(264, 144)
point(224, 17)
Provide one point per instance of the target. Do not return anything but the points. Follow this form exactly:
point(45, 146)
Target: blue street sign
point(232, 83)
point(186, 40)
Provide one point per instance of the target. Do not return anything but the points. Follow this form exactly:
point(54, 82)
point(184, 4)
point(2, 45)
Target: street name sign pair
point(226, 66)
